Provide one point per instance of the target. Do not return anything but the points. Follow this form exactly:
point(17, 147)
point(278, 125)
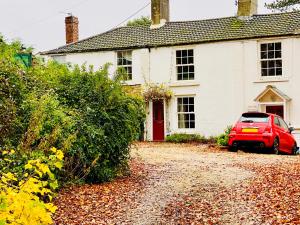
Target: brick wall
point(72, 32)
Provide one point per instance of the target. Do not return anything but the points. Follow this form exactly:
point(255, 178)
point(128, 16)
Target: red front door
point(158, 121)
point(277, 110)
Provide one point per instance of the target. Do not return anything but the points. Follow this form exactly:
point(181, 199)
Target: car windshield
point(254, 118)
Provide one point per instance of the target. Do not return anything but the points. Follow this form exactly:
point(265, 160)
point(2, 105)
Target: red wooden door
point(277, 110)
point(158, 121)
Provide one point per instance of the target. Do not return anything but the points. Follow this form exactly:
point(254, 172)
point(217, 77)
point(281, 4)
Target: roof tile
point(188, 32)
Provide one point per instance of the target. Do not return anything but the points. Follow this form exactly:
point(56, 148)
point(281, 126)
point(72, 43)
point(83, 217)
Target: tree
point(283, 5)
point(142, 21)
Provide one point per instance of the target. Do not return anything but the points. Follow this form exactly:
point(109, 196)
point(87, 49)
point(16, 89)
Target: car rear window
point(254, 118)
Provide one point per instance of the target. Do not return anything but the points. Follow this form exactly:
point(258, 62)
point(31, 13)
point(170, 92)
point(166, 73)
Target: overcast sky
point(40, 23)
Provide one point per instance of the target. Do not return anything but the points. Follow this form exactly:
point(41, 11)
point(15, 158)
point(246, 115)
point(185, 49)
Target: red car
point(263, 130)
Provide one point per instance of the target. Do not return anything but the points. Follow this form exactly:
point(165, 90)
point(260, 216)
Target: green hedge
point(189, 138)
point(76, 109)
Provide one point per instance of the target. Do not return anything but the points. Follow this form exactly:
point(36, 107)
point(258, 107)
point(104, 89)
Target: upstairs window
point(125, 63)
point(185, 64)
point(186, 112)
point(271, 59)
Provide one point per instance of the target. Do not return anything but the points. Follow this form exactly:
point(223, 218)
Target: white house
point(216, 68)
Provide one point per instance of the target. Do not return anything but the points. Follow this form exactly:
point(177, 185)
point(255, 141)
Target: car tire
point(295, 149)
point(275, 148)
point(233, 148)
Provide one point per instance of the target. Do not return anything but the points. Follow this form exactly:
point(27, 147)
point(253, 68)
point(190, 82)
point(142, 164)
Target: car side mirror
point(291, 129)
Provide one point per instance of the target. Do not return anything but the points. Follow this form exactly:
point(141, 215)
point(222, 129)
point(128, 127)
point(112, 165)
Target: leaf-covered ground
point(189, 184)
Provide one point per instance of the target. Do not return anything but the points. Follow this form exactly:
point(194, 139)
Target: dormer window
point(125, 63)
point(271, 59)
point(185, 64)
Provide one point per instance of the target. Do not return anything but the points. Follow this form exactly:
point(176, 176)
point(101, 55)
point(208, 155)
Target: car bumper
point(262, 140)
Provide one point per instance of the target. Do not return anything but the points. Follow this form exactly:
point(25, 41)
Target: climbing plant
point(156, 92)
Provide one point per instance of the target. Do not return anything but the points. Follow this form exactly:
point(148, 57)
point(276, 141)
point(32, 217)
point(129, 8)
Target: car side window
point(276, 121)
point(283, 124)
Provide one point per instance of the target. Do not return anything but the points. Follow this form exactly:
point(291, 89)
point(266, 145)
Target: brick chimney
point(247, 8)
point(160, 12)
point(71, 29)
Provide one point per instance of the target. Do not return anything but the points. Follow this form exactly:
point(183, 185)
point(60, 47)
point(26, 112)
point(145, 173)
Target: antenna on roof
point(66, 13)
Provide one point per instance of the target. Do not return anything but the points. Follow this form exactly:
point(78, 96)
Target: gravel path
point(189, 184)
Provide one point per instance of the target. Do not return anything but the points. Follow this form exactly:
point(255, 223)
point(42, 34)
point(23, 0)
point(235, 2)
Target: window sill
point(272, 79)
point(184, 84)
point(128, 83)
point(184, 130)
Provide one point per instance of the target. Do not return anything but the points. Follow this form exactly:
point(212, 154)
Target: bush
point(223, 139)
point(188, 138)
point(84, 113)
point(107, 120)
point(12, 93)
point(27, 188)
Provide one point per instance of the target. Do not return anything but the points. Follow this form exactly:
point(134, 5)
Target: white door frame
point(262, 107)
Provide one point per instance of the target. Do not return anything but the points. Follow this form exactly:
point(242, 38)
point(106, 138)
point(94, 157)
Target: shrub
point(223, 139)
point(27, 188)
point(107, 120)
point(12, 91)
point(49, 124)
point(82, 112)
point(188, 138)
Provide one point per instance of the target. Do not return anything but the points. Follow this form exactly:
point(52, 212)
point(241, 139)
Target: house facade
point(216, 69)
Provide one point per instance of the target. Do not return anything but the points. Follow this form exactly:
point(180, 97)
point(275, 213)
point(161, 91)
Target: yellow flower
point(28, 166)
point(4, 152)
point(10, 176)
point(60, 155)
point(53, 149)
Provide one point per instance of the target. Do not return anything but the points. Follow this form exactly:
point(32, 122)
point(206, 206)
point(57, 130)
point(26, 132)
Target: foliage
point(121, 75)
point(27, 189)
point(49, 124)
point(188, 138)
point(107, 120)
point(156, 92)
point(12, 91)
point(283, 5)
point(223, 139)
point(142, 21)
point(76, 109)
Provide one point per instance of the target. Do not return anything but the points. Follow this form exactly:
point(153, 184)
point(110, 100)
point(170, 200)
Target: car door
point(281, 133)
point(287, 136)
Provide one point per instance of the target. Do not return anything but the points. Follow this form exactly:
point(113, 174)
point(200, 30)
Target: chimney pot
point(247, 8)
point(72, 32)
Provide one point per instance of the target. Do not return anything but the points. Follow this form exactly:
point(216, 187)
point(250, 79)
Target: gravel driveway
point(190, 184)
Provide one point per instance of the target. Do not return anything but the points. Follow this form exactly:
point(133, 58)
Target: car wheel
point(276, 146)
point(295, 149)
point(233, 148)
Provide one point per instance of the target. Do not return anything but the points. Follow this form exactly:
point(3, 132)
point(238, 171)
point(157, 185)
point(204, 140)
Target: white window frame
point(186, 113)
point(126, 66)
point(182, 65)
point(273, 59)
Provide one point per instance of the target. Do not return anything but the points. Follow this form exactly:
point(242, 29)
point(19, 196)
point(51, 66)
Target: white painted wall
point(227, 79)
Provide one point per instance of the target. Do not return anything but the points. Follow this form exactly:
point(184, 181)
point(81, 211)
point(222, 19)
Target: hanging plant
point(156, 92)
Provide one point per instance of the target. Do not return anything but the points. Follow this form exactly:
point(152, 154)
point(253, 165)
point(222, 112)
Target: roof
point(275, 90)
point(188, 32)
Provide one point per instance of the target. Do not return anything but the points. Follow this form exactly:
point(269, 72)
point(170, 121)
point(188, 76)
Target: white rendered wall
point(227, 80)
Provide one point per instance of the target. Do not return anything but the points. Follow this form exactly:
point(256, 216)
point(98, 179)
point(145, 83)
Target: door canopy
point(272, 94)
